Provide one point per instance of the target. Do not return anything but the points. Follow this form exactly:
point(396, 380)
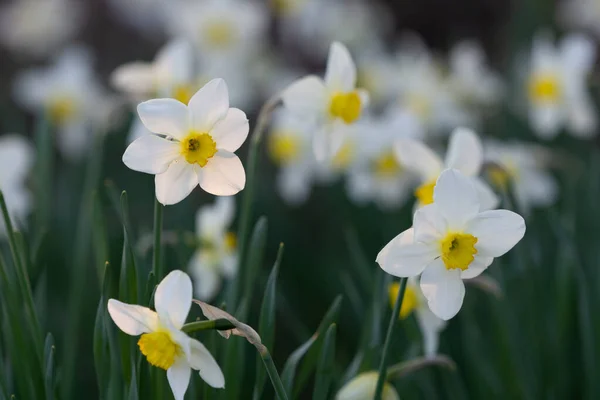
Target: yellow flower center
point(219, 34)
point(386, 165)
point(419, 104)
point(344, 156)
point(458, 250)
point(410, 301)
point(230, 241)
point(544, 88)
point(284, 147)
point(346, 106)
point(197, 148)
point(425, 192)
point(284, 7)
point(61, 109)
point(160, 349)
point(183, 93)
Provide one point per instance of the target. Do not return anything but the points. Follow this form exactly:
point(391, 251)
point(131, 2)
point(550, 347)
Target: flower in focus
point(39, 28)
point(363, 386)
point(333, 104)
point(451, 240)
point(216, 256)
point(465, 154)
point(69, 95)
point(162, 342)
point(556, 87)
point(522, 167)
point(191, 144)
point(16, 159)
point(414, 301)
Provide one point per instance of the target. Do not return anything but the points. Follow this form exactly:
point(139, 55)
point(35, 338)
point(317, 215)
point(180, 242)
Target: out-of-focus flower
point(378, 74)
point(363, 386)
point(191, 145)
point(333, 103)
point(147, 16)
point(16, 159)
point(579, 14)
point(556, 86)
point(465, 154)
point(162, 341)
point(451, 240)
point(216, 256)
point(69, 95)
point(522, 167)
point(414, 301)
point(39, 27)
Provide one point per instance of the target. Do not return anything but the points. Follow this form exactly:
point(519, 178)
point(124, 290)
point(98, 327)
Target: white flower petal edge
point(340, 74)
point(224, 175)
point(497, 231)
point(231, 132)
point(456, 198)
point(173, 298)
point(203, 361)
point(179, 378)
point(209, 105)
point(443, 289)
point(165, 117)
point(307, 96)
point(177, 182)
point(419, 158)
point(403, 257)
point(465, 152)
point(151, 154)
point(132, 319)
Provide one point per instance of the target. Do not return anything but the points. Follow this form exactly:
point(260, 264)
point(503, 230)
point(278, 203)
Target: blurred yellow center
point(344, 156)
point(61, 109)
point(346, 106)
point(386, 165)
point(410, 301)
point(219, 33)
point(230, 241)
point(183, 93)
point(458, 250)
point(419, 104)
point(159, 348)
point(197, 148)
point(544, 88)
point(284, 147)
point(425, 192)
point(284, 7)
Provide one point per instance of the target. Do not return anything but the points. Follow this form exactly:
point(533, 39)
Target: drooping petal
point(487, 198)
point(403, 257)
point(176, 183)
point(306, 97)
point(151, 154)
point(443, 289)
point(179, 377)
point(419, 158)
point(209, 105)
point(428, 224)
point(173, 298)
point(340, 74)
point(477, 266)
point(224, 174)
point(132, 319)
point(202, 361)
point(456, 198)
point(465, 152)
point(165, 117)
point(231, 132)
point(497, 231)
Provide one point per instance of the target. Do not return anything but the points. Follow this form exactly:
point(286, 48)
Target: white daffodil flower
point(451, 240)
point(523, 167)
point(216, 256)
point(556, 87)
point(162, 341)
point(333, 104)
point(415, 301)
point(289, 146)
point(70, 96)
point(465, 153)
point(39, 28)
point(191, 145)
point(363, 386)
point(16, 159)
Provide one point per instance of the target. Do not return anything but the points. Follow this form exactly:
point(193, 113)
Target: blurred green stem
point(272, 371)
point(158, 223)
point(44, 167)
point(221, 324)
point(388, 339)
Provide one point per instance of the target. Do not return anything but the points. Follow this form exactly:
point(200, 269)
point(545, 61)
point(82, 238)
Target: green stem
point(44, 166)
point(388, 340)
point(158, 223)
point(220, 324)
point(272, 371)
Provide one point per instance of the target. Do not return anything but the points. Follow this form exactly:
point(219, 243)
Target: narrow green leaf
point(99, 347)
point(324, 373)
point(158, 224)
point(49, 361)
point(100, 242)
point(44, 170)
point(133, 386)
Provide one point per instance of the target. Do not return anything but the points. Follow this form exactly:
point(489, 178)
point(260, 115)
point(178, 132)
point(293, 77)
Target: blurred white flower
point(465, 153)
point(415, 301)
point(333, 104)
point(378, 74)
point(523, 167)
point(162, 341)
point(16, 159)
point(579, 14)
point(70, 96)
point(216, 256)
point(363, 386)
point(451, 240)
point(557, 88)
point(39, 27)
point(191, 145)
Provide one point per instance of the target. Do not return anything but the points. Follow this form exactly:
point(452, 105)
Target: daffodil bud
point(362, 387)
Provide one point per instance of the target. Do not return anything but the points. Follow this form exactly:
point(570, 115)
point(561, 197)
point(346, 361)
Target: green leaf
point(324, 373)
point(133, 386)
point(49, 361)
point(100, 242)
point(100, 347)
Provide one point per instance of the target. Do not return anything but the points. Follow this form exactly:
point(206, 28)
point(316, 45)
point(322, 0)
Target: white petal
point(428, 224)
point(203, 361)
point(306, 97)
point(340, 74)
point(443, 289)
point(582, 116)
point(176, 183)
point(487, 198)
point(477, 266)
point(497, 231)
point(134, 78)
point(151, 154)
point(231, 132)
point(224, 174)
point(546, 119)
point(456, 198)
point(419, 158)
point(173, 298)
point(464, 152)
point(132, 319)
point(403, 257)
point(430, 325)
point(165, 116)
point(209, 105)
point(206, 280)
point(328, 141)
point(179, 377)
point(16, 158)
